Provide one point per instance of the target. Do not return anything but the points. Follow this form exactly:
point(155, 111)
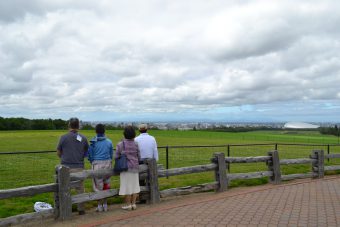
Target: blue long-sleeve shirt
point(101, 148)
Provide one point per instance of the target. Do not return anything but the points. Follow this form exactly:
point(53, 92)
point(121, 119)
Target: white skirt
point(129, 183)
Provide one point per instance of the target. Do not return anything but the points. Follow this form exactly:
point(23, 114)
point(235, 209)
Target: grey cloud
point(14, 10)
point(257, 45)
point(8, 86)
point(277, 31)
point(98, 59)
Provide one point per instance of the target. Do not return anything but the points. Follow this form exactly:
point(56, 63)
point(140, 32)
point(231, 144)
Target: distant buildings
point(184, 126)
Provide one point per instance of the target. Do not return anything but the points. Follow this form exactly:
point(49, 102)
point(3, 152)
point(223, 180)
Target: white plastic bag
point(41, 206)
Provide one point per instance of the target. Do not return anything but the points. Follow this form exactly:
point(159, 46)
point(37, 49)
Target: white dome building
point(299, 125)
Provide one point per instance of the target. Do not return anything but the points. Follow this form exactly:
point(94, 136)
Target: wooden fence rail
point(24, 218)
point(254, 175)
point(189, 189)
point(247, 159)
point(28, 191)
point(186, 170)
point(332, 168)
point(297, 176)
point(296, 161)
point(151, 173)
point(332, 156)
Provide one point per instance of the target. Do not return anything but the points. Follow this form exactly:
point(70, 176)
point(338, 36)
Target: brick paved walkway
point(297, 203)
point(306, 203)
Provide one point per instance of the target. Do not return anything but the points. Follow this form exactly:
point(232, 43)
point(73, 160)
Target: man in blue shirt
point(100, 156)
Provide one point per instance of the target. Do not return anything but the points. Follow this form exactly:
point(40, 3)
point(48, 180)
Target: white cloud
point(159, 57)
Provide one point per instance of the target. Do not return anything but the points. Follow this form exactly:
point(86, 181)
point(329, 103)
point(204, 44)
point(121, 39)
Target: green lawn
point(47, 140)
point(32, 169)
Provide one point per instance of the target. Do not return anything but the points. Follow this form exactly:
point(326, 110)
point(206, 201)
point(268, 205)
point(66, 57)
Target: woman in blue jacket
point(100, 157)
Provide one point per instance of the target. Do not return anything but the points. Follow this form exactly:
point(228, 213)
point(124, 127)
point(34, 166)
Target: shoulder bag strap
point(123, 151)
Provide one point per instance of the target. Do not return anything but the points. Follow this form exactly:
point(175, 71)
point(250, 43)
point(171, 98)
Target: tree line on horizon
point(20, 123)
point(330, 130)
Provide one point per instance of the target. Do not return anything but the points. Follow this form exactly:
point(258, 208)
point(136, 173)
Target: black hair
point(100, 129)
point(73, 123)
point(129, 132)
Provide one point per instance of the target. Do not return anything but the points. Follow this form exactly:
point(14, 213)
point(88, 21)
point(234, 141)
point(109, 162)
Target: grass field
point(33, 169)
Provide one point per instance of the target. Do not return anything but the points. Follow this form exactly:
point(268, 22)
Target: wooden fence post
point(318, 166)
point(56, 195)
point(152, 181)
point(274, 166)
point(220, 172)
point(63, 202)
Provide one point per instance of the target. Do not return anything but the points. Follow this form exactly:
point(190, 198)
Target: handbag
point(121, 162)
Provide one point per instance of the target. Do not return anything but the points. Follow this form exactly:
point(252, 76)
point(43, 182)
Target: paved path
point(299, 203)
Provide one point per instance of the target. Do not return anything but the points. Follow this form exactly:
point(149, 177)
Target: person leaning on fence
point(100, 157)
point(129, 180)
point(72, 148)
point(147, 146)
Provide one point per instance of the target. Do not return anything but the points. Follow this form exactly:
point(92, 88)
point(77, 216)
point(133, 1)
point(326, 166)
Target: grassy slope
point(23, 170)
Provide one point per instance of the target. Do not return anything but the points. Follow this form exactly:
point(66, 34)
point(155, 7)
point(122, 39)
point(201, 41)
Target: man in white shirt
point(148, 149)
point(147, 144)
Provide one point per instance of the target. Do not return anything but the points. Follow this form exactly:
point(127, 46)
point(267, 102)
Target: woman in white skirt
point(129, 180)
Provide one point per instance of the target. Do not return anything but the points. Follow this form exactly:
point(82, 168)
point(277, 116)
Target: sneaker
point(127, 207)
point(105, 207)
point(133, 206)
point(99, 208)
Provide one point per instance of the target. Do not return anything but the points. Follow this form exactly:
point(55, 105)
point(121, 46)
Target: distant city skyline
point(152, 61)
point(221, 125)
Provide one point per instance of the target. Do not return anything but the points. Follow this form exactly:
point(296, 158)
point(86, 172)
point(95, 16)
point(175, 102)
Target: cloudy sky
point(159, 60)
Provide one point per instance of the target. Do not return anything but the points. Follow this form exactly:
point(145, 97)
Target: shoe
point(105, 207)
point(81, 212)
point(99, 208)
point(133, 206)
point(127, 207)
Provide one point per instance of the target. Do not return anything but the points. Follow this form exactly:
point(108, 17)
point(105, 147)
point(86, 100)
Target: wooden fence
point(219, 164)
